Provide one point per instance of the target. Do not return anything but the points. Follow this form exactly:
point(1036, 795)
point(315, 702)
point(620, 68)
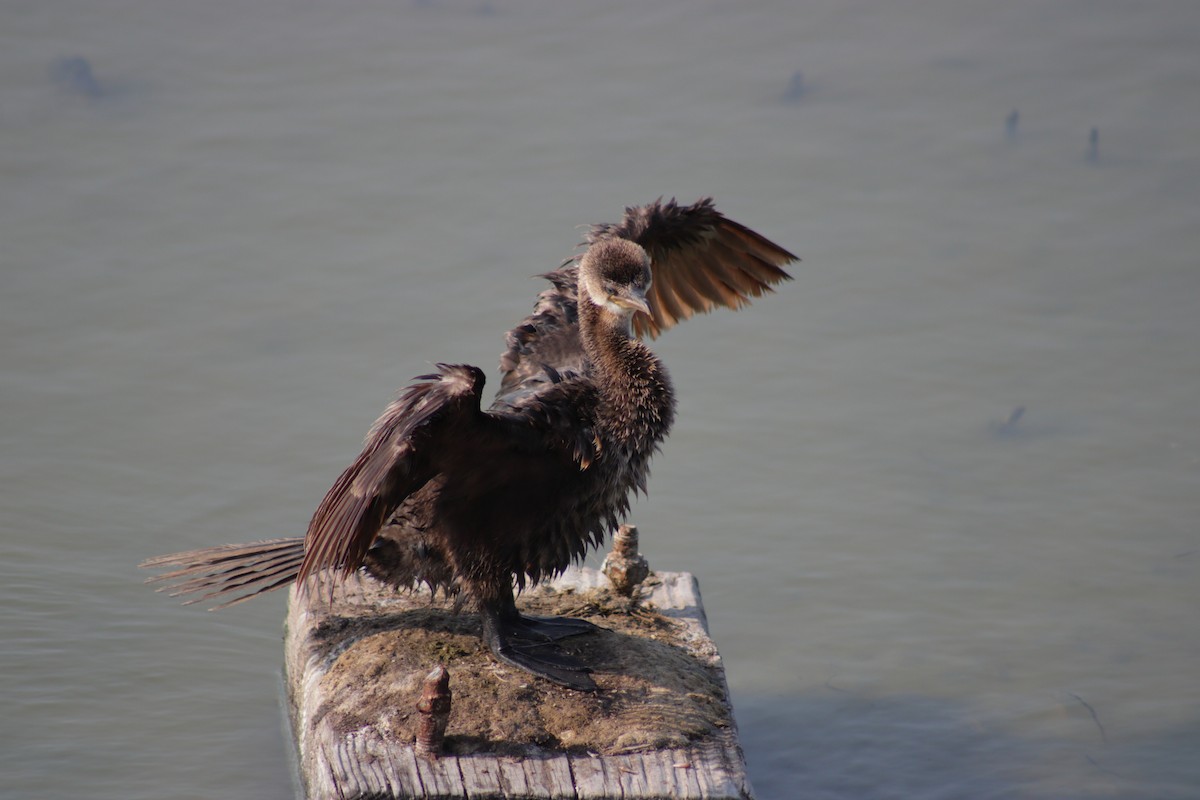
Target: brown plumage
point(468, 500)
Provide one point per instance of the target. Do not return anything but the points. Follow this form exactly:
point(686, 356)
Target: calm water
point(230, 231)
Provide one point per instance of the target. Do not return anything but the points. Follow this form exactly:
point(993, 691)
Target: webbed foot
point(551, 629)
point(528, 644)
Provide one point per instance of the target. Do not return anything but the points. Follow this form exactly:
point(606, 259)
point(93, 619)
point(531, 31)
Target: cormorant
point(471, 501)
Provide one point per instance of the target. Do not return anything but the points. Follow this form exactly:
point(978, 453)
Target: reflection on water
point(830, 743)
point(940, 491)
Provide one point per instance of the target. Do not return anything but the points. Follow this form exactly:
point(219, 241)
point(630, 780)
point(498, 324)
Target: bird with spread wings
point(471, 501)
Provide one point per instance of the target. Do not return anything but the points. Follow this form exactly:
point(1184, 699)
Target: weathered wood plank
point(346, 752)
point(590, 779)
point(481, 773)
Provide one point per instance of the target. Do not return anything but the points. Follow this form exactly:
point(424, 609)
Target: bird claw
point(527, 643)
point(551, 629)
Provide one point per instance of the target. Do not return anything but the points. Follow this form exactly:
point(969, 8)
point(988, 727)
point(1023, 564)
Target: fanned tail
point(245, 570)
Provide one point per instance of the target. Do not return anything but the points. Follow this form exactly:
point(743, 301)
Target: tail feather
point(247, 570)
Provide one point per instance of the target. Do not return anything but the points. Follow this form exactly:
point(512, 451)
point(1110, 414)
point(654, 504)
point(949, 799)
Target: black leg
point(527, 643)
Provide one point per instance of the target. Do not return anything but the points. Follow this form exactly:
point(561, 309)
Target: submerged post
point(367, 712)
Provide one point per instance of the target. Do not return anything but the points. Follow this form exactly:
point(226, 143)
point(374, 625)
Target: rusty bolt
point(434, 707)
point(625, 567)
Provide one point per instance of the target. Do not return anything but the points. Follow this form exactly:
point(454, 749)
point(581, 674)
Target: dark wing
point(700, 260)
point(549, 337)
point(399, 456)
point(436, 428)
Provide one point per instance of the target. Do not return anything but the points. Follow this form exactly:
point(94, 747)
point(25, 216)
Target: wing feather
point(398, 457)
point(701, 260)
point(697, 247)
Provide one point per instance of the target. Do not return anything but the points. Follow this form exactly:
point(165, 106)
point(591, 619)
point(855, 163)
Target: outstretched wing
point(546, 342)
point(700, 260)
point(399, 456)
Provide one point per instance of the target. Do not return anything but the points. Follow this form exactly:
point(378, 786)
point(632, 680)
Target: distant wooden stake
point(625, 567)
point(434, 707)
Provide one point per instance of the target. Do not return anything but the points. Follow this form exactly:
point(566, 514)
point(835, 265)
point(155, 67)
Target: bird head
point(615, 275)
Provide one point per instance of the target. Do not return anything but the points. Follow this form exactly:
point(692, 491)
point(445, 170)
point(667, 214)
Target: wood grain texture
point(378, 761)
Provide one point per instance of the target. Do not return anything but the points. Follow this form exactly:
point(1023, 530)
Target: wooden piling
point(661, 725)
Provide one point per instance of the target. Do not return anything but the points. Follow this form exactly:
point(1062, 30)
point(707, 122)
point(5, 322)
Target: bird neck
point(607, 340)
point(632, 382)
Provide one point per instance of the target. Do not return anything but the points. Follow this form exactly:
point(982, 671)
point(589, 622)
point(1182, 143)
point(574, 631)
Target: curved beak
point(633, 299)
